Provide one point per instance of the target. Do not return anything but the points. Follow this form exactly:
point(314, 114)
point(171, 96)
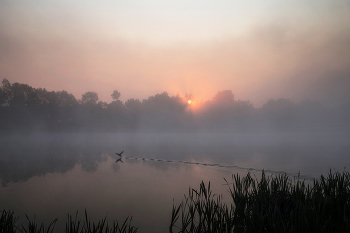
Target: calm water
point(51, 175)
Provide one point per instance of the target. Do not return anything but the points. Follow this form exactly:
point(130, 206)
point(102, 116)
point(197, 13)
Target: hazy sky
point(296, 49)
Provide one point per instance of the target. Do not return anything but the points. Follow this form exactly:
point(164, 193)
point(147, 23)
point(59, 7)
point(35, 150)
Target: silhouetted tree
point(133, 106)
point(23, 107)
point(243, 107)
point(163, 103)
point(89, 98)
point(115, 95)
point(20, 94)
point(162, 111)
point(66, 99)
point(6, 93)
point(224, 97)
point(116, 105)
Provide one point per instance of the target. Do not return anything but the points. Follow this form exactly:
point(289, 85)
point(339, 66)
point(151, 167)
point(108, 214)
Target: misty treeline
point(24, 108)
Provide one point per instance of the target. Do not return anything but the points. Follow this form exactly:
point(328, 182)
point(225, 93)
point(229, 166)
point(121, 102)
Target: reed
point(273, 203)
point(33, 227)
point(8, 224)
point(201, 211)
point(76, 226)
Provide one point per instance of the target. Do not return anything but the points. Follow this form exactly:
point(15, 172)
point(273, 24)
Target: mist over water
point(191, 91)
point(58, 153)
point(53, 174)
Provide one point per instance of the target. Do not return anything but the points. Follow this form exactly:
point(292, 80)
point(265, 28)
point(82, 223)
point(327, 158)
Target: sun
point(189, 101)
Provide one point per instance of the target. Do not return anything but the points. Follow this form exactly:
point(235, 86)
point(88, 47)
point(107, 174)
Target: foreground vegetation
point(273, 203)
point(73, 225)
point(269, 204)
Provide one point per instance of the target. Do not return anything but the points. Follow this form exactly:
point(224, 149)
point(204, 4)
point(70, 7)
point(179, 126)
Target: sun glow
point(189, 102)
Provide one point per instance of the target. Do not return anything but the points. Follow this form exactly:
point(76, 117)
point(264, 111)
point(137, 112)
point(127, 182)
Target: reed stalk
point(273, 203)
point(8, 224)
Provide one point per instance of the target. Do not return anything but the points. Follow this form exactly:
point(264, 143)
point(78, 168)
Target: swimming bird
point(120, 154)
point(119, 160)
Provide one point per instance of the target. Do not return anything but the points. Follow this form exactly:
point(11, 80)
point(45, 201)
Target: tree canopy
point(23, 107)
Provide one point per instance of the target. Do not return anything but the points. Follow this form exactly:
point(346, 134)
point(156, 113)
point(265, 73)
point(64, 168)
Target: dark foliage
point(268, 204)
point(8, 225)
point(24, 108)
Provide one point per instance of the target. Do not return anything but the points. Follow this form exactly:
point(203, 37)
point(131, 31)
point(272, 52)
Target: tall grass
point(273, 203)
point(269, 204)
point(8, 224)
point(76, 226)
point(33, 227)
point(201, 211)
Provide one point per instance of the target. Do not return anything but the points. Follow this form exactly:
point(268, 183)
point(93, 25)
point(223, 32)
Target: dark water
point(51, 175)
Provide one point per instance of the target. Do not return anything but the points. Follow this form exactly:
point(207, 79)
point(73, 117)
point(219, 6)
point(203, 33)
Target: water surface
point(51, 175)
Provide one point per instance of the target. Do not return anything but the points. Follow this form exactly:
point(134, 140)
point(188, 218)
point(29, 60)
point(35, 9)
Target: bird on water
point(120, 154)
point(119, 160)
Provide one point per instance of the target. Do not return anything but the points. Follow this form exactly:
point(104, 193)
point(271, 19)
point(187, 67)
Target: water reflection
point(52, 175)
point(23, 157)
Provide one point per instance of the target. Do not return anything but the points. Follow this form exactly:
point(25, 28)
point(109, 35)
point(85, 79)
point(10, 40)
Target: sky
point(260, 50)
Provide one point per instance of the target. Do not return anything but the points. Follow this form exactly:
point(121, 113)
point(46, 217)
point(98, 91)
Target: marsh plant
point(77, 226)
point(201, 211)
point(8, 222)
point(8, 225)
point(269, 204)
point(275, 203)
point(33, 227)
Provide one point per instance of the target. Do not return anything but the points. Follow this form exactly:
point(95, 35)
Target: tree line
point(24, 108)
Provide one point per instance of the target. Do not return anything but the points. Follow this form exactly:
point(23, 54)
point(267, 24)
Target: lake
point(55, 174)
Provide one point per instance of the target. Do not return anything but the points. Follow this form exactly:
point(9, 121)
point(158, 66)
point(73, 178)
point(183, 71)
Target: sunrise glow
point(132, 102)
point(145, 48)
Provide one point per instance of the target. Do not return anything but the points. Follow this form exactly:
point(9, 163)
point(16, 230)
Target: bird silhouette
point(119, 160)
point(120, 154)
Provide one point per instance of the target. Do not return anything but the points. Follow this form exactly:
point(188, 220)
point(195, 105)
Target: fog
point(189, 91)
point(24, 156)
point(301, 56)
point(51, 132)
point(58, 152)
point(28, 109)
